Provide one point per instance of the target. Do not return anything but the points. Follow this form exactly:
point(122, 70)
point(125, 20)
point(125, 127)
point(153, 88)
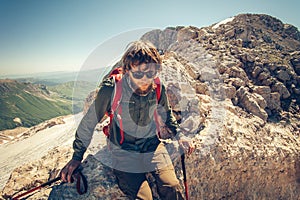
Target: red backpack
point(117, 74)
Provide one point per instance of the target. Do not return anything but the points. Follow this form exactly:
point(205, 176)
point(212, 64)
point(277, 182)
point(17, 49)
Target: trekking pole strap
point(79, 176)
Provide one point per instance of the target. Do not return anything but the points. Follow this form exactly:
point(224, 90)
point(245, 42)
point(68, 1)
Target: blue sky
point(59, 35)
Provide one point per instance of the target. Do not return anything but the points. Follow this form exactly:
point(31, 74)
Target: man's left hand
point(186, 145)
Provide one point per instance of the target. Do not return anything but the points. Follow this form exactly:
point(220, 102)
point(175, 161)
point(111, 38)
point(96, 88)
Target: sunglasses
point(140, 74)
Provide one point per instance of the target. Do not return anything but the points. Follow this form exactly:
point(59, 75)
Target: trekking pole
point(36, 188)
point(184, 176)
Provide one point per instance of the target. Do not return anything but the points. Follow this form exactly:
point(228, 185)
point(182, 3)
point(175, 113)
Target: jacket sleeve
point(94, 114)
point(169, 118)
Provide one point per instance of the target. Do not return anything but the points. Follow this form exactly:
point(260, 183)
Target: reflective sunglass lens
point(139, 74)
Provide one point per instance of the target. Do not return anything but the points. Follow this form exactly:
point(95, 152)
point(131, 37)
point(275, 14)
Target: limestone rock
point(186, 33)
point(17, 120)
point(230, 91)
point(253, 103)
point(161, 39)
point(101, 183)
point(281, 89)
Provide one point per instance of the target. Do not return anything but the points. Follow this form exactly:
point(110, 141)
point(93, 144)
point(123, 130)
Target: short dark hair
point(140, 52)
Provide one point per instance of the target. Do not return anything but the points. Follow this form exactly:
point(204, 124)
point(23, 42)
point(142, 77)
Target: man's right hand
point(67, 171)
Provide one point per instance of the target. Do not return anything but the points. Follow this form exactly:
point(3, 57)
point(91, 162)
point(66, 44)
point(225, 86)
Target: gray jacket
point(137, 116)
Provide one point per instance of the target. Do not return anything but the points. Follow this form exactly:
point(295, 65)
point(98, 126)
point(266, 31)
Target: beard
point(141, 92)
point(138, 90)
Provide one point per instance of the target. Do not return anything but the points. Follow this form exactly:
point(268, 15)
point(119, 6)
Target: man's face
point(142, 76)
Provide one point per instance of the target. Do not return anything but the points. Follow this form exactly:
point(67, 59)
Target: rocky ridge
point(235, 86)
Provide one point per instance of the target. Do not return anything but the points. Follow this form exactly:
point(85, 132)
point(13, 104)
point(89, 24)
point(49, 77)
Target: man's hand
point(186, 145)
point(67, 171)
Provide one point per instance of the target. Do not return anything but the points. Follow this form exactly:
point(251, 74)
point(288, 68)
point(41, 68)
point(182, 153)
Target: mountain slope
point(75, 92)
point(25, 104)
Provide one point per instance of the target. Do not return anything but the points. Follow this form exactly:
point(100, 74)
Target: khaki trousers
point(136, 186)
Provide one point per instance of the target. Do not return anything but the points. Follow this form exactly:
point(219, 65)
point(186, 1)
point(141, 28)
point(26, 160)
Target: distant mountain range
point(29, 100)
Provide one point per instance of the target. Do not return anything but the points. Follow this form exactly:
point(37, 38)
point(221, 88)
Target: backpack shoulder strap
point(117, 95)
point(157, 88)
point(117, 73)
point(116, 104)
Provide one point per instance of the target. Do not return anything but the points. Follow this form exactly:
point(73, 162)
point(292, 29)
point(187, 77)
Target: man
point(135, 146)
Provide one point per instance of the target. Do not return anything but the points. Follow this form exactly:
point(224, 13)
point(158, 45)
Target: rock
point(238, 72)
point(11, 135)
point(252, 103)
point(235, 50)
point(263, 76)
point(260, 100)
point(264, 91)
point(37, 173)
point(89, 100)
point(207, 74)
point(281, 89)
point(274, 102)
point(230, 33)
point(292, 31)
point(272, 98)
point(17, 120)
point(283, 75)
point(161, 39)
point(236, 82)
point(230, 91)
point(256, 71)
point(101, 182)
point(186, 33)
point(201, 88)
point(296, 64)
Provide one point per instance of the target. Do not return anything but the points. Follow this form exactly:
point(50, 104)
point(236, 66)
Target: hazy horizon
point(43, 74)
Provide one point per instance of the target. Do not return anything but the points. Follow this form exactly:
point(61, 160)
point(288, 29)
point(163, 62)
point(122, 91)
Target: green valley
point(26, 104)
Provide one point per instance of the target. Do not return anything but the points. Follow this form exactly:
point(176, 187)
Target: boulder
point(281, 89)
point(252, 103)
point(187, 33)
